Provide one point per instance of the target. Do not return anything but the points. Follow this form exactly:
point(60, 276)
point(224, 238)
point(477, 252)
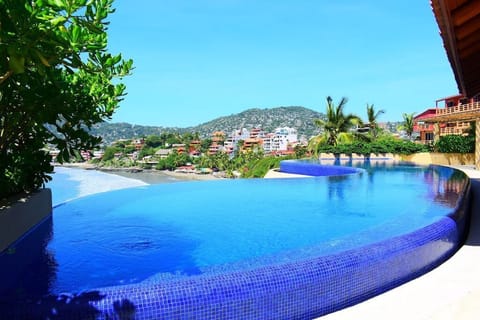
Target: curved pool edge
point(309, 168)
point(301, 290)
point(451, 291)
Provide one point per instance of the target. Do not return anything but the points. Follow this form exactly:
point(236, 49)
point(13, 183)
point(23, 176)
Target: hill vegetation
point(299, 118)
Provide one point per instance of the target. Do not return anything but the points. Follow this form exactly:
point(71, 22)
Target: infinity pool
point(168, 235)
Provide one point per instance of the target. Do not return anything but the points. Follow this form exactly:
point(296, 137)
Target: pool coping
point(451, 291)
point(22, 214)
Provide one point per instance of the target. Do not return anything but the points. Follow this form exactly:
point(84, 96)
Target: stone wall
point(423, 158)
point(439, 158)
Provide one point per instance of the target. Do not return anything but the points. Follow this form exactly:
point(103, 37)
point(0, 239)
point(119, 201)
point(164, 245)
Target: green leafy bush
point(455, 144)
point(380, 146)
point(109, 153)
point(259, 168)
point(173, 161)
point(56, 80)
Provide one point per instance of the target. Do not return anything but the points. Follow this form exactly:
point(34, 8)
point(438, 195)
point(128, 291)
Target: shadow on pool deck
point(474, 233)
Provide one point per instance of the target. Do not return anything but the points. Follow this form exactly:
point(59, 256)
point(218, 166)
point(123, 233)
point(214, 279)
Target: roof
point(459, 23)
point(163, 152)
point(426, 114)
point(456, 96)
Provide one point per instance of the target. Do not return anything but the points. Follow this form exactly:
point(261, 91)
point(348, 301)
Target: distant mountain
point(114, 131)
point(299, 118)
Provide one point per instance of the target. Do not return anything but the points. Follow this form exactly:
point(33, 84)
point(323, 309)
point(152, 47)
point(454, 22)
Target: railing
point(423, 127)
point(451, 130)
point(462, 124)
point(475, 106)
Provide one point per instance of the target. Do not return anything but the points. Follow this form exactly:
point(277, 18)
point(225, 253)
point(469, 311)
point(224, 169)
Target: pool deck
point(451, 291)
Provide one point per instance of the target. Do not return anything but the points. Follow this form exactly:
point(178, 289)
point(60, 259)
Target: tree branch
point(5, 76)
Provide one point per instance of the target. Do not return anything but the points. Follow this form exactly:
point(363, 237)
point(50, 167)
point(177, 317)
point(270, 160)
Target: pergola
point(459, 23)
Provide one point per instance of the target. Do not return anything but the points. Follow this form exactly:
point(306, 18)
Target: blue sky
point(196, 60)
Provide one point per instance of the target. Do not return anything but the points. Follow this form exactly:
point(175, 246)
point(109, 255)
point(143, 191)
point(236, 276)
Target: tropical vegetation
point(347, 134)
point(337, 125)
point(56, 81)
point(372, 117)
point(456, 144)
point(408, 124)
point(382, 145)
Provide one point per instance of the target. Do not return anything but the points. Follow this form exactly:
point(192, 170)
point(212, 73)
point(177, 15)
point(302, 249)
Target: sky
point(196, 60)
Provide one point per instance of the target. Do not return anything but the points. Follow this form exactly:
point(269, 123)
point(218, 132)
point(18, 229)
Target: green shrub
point(387, 145)
point(455, 144)
point(109, 153)
point(259, 168)
point(57, 81)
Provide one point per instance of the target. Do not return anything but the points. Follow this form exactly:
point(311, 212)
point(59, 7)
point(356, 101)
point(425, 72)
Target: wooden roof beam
point(459, 23)
point(466, 11)
point(442, 13)
point(469, 45)
point(467, 29)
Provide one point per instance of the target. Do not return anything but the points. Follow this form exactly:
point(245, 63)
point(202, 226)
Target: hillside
point(114, 131)
point(268, 119)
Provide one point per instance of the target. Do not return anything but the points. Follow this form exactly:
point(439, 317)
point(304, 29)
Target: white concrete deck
point(450, 292)
point(275, 174)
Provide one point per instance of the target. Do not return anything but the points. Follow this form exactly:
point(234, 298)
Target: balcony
point(451, 130)
point(462, 112)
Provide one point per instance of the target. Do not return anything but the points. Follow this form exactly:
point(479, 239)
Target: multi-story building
point(231, 142)
point(460, 31)
point(284, 137)
point(218, 140)
point(138, 143)
point(218, 137)
point(194, 148)
point(215, 148)
point(252, 144)
point(180, 147)
point(428, 129)
point(257, 133)
point(268, 142)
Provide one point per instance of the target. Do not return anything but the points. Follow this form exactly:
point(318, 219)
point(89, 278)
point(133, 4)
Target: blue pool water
point(179, 230)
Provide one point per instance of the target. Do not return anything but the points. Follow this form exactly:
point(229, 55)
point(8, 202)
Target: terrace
point(462, 112)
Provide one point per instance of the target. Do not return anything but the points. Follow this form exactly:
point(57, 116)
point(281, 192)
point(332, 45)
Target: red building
point(426, 128)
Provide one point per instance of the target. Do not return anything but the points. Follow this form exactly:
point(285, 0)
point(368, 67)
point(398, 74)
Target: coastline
point(150, 176)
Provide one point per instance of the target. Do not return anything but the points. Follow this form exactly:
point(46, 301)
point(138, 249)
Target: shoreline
point(150, 176)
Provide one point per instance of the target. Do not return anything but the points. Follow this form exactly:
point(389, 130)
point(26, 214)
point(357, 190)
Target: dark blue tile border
point(297, 290)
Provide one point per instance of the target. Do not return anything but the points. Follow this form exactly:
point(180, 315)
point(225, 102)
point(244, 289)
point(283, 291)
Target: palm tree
point(372, 119)
point(408, 123)
point(336, 127)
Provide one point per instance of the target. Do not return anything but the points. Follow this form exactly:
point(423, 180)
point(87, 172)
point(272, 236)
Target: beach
point(156, 176)
point(150, 176)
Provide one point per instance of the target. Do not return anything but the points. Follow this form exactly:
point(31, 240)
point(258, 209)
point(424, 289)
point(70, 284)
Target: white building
point(231, 143)
point(282, 138)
